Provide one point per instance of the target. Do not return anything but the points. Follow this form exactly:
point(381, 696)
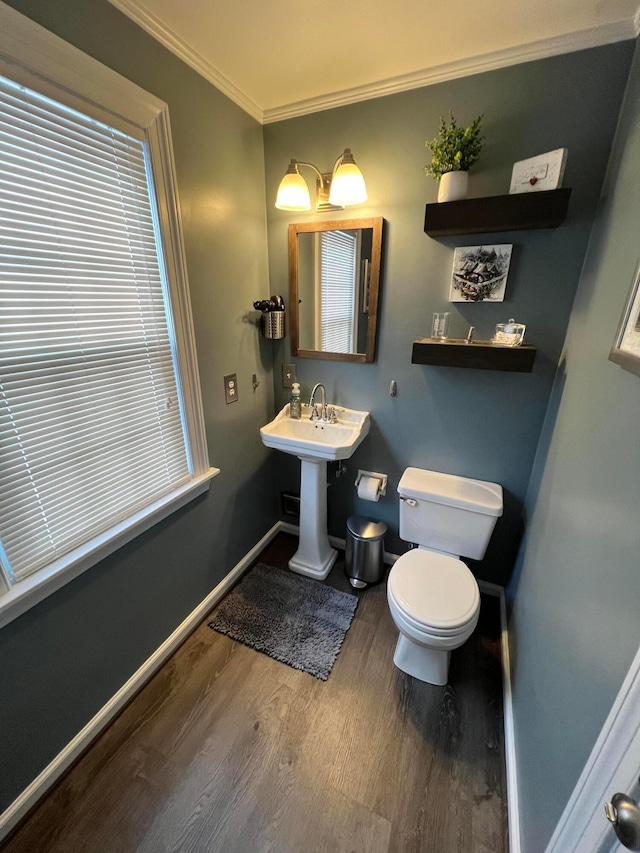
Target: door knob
point(624, 814)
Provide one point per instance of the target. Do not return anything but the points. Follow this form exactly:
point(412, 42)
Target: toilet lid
point(434, 589)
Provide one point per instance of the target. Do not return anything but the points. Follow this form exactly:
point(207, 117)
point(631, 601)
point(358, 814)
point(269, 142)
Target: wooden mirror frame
point(377, 225)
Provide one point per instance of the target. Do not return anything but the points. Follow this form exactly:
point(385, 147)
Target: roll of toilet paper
point(369, 488)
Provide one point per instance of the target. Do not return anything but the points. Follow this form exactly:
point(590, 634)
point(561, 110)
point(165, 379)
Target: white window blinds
point(90, 412)
point(338, 290)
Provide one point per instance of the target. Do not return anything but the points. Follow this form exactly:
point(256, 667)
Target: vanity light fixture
point(334, 190)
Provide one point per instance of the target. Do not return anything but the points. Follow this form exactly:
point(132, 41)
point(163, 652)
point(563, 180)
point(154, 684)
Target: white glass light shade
point(293, 192)
point(347, 183)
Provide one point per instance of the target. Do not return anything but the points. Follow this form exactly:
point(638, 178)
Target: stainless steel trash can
point(364, 551)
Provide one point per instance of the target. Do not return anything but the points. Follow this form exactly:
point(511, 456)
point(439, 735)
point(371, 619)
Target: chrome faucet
point(314, 409)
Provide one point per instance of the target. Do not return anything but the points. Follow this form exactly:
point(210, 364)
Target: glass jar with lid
point(510, 334)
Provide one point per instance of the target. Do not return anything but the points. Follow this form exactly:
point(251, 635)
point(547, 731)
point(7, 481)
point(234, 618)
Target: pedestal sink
point(315, 443)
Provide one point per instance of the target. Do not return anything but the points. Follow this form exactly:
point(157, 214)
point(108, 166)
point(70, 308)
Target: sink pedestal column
point(314, 557)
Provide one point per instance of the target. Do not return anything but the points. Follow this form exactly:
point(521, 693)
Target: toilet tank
point(448, 513)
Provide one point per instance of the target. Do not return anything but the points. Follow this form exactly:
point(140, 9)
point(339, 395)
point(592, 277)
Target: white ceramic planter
point(453, 186)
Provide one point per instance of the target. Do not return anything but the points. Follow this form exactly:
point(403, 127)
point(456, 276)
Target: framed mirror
point(334, 282)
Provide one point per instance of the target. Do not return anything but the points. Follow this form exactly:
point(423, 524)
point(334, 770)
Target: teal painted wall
point(65, 658)
point(574, 627)
point(474, 423)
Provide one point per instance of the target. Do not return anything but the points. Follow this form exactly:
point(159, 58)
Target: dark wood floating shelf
point(481, 355)
point(517, 212)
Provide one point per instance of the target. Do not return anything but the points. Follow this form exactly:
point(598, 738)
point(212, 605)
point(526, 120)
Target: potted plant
point(454, 151)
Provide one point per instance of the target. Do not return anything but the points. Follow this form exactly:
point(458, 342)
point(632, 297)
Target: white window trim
point(35, 57)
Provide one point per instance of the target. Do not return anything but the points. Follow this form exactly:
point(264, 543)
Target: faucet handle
point(314, 416)
point(333, 416)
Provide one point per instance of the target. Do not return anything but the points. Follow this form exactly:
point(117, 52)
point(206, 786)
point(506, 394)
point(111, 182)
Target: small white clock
point(544, 172)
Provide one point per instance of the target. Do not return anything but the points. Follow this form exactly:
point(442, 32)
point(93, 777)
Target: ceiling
point(281, 58)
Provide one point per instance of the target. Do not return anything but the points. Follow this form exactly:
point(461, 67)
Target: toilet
point(433, 597)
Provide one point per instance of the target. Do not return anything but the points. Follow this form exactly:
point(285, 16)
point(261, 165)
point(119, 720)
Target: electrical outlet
point(231, 388)
point(288, 375)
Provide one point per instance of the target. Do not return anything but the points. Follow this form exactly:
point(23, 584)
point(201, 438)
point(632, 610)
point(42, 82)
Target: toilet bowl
point(433, 597)
point(435, 602)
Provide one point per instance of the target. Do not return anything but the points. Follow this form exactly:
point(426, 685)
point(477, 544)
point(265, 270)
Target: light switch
point(288, 375)
point(231, 388)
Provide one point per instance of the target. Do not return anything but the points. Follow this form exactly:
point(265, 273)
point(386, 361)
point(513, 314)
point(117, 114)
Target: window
point(338, 276)
point(101, 429)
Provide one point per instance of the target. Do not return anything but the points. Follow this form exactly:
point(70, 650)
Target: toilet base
point(430, 665)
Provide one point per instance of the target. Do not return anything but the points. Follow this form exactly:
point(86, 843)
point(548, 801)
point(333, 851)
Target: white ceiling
point(280, 58)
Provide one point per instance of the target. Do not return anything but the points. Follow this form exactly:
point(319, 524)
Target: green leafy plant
point(455, 149)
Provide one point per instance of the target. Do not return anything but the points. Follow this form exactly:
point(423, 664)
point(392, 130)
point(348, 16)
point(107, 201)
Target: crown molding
point(160, 32)
point(554, 46)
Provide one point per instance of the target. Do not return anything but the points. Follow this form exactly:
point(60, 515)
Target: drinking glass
point(440, 326)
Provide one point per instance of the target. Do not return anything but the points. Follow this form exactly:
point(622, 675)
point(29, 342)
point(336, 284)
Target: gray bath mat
point(291, 618)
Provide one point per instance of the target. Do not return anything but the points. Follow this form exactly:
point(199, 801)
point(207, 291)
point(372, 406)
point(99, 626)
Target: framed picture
point(626, 346)
point(480, 273)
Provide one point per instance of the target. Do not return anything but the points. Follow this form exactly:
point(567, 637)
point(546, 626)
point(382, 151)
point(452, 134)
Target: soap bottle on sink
point(295, 403)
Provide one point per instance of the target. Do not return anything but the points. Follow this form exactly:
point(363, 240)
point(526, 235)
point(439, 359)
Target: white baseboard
point(336, 541)
point(490, 588)
point(41, 784)
point(285, 527)
point(388, 558)
point(513, 807)
point(507, 702)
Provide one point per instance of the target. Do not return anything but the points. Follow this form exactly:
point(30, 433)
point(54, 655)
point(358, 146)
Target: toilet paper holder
point(382, 489)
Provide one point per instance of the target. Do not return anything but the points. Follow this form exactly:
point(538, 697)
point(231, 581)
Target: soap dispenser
point(295, 403)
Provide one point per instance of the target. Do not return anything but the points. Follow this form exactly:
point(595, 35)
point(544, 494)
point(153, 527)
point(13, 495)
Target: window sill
point(30, 591)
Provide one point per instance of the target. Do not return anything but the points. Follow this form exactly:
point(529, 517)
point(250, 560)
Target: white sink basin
point(313, 440)
point(315, 444)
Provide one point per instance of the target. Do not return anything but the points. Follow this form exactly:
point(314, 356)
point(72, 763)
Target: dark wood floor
point(228, 750)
